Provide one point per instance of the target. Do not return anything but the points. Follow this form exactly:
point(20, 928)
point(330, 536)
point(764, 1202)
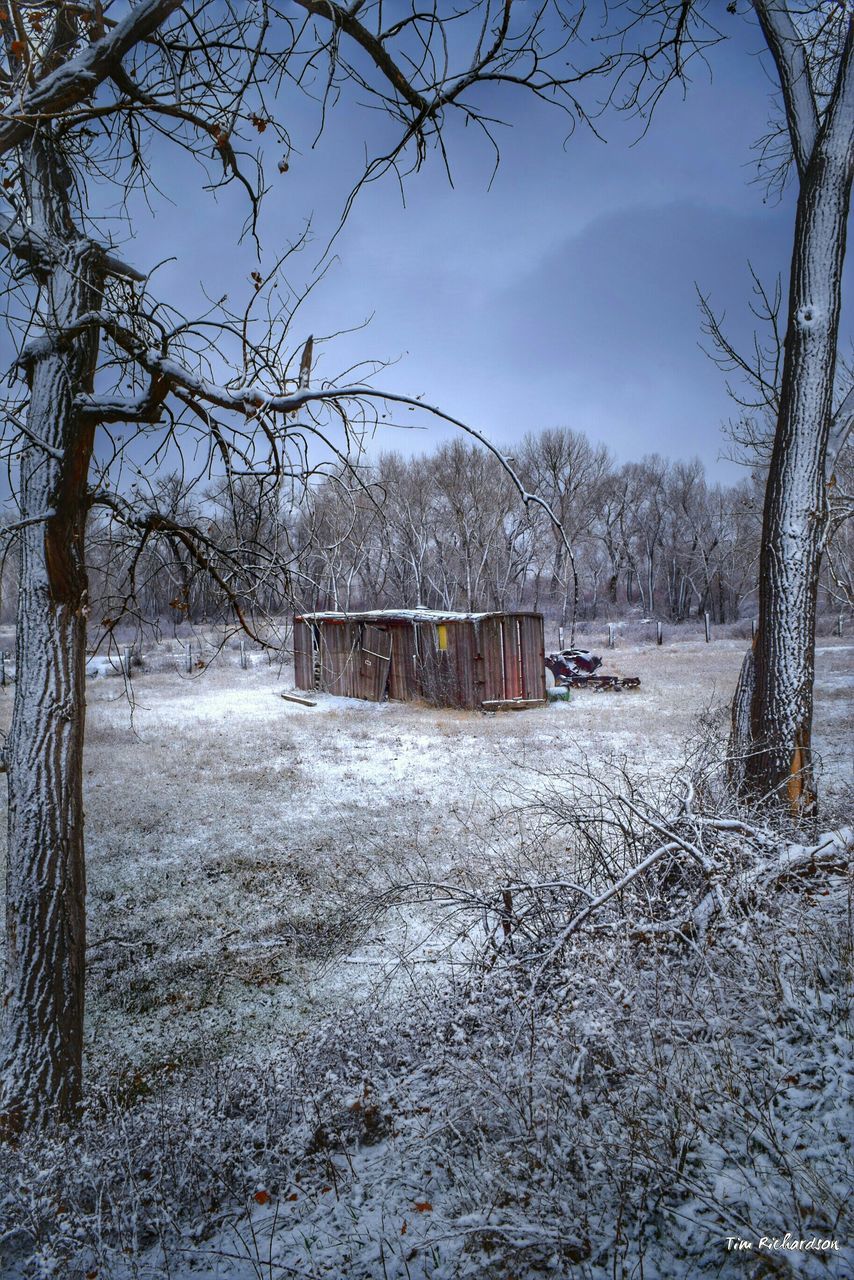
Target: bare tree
point(812, 47)
point(817, 84)
point(409, 510)
point(839, 554)
point(87, 96)
point(446, 529)
point(566, 470)
point(341, 541)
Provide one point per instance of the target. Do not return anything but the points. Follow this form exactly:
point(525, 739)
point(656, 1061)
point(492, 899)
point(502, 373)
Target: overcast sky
point(564, 294)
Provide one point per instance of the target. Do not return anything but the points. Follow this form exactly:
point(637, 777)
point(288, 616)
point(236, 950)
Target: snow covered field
point(234, 838)
point(229, 831)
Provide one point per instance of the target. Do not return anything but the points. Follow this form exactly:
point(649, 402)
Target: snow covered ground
point(234, 839)
point(230, 832)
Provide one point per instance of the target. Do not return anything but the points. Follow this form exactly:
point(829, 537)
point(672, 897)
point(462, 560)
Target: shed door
point(374, 663)
point(303, 655)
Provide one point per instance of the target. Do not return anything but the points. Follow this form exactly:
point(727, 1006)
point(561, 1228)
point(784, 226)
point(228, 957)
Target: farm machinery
point(576, 669)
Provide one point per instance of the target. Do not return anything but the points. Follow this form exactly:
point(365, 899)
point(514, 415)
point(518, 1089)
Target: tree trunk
point(42, 1046)
point(795, 514)
point(557, 569)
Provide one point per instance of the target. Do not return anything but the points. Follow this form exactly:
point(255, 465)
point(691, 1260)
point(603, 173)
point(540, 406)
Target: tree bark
point(778, 755)
point(42, 1046)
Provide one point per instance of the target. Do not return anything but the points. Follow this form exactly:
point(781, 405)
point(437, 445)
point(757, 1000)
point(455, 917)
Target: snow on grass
point(236, 843)
point(231, 833)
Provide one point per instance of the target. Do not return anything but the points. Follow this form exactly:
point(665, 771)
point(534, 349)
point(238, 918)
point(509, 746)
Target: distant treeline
point(447, 529)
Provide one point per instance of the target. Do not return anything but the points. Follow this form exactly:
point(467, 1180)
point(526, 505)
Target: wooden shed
point(476, 660)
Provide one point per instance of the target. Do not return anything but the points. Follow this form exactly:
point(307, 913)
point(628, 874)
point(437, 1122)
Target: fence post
point(706, 625)
point(560, 639)
point(243, 662)
point(190, 658)
point(840, 621)
point(753, 628)
point(610, 635)
point(659, 633)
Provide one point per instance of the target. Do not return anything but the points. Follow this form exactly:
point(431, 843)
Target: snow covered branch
point(76, 80)
point(42, 518)
point(790, 56)
point(25, 243)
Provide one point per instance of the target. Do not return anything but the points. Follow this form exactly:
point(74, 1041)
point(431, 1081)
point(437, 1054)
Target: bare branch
point(840, 430)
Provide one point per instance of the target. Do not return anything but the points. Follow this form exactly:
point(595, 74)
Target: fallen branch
point(578, 920)
point(794, 864)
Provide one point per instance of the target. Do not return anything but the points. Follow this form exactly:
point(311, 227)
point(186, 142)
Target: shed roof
point(406, 615)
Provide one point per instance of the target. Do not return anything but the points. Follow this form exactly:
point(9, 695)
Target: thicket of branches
point(640, 1057)
point(111, 384)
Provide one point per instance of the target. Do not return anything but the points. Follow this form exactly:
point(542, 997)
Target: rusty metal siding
point(327, 667)
point(491, 659)
point(451, 661)
point(512, 657)
point(345, 638)
point(349, 659)
point(338, 642)
point(446, 676)
point(533, 655)
point(303, 655)
point(403, 678)
point(324, 659)
point(449, 676)
point(428, 664)
point(462, 660)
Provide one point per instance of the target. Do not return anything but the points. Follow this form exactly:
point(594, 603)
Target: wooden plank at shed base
point(512, 704)
point(292, 697)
